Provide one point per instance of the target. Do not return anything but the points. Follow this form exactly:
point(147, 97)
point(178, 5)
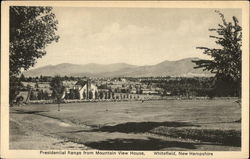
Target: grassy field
point(149, 125)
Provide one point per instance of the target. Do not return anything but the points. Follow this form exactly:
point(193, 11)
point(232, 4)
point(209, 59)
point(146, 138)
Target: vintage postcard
point(124, 79)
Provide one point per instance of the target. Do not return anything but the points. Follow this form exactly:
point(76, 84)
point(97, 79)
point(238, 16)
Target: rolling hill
point(76, 70)
point(183, 67)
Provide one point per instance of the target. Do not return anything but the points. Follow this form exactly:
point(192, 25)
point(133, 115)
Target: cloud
point(133, 44)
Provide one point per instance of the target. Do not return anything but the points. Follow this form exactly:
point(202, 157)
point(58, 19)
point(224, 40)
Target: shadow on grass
point(141, 127)
point(170, 129)
point(28, 112)
point(138, 144)
point(222, 137)
point(223, 122)
point(134, 127)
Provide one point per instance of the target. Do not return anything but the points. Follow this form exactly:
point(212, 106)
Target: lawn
point(173, 124)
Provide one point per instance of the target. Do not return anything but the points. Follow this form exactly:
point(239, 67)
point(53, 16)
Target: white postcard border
point(6, 153)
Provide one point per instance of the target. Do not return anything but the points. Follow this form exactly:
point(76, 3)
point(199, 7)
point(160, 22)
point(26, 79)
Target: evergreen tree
point(22, 78)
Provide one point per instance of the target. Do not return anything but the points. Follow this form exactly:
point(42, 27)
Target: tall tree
point(226, 59)
point(31, 30)
point(58, 89)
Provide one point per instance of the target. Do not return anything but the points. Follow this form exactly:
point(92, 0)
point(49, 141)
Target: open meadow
point(194, 125)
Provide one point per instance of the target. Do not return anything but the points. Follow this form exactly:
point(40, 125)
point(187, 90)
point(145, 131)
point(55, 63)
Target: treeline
point(39, 95)
point(195, 86)
point(173, 86)
point(75, 94)
point(47, 78)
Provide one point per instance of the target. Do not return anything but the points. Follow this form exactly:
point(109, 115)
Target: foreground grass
point(224, 137)
point(162, 125)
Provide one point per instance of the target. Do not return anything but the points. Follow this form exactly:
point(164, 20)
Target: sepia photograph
point(118, 80)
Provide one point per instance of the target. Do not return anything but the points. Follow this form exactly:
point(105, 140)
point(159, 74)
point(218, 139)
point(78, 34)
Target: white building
point(88, 91)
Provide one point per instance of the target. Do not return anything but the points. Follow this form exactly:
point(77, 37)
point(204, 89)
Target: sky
point(138, 36)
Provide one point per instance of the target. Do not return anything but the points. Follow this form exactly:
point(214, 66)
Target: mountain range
point(183, 68)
